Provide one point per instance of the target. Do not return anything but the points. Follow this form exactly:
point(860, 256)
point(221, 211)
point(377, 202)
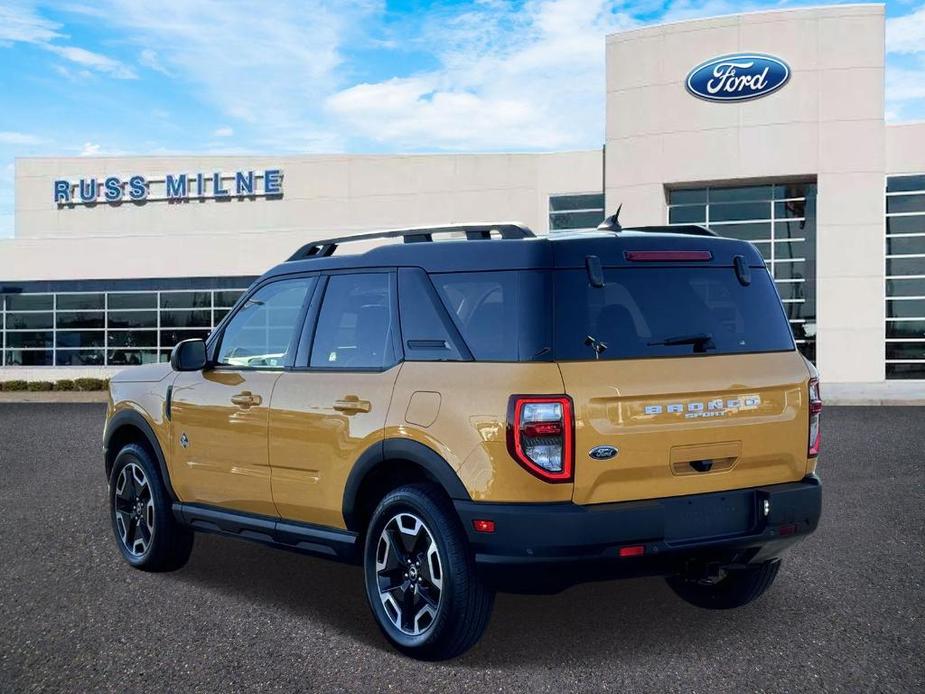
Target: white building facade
point(115, 259)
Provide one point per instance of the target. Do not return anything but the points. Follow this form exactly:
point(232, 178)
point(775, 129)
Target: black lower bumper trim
point(574, 543)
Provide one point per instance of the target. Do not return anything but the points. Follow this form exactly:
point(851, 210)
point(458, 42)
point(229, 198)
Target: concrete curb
point(871, 402)
point(55, 396)
point(890, 393)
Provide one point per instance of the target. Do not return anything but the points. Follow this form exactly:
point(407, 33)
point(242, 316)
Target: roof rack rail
point(689, 229)
point(474, 232)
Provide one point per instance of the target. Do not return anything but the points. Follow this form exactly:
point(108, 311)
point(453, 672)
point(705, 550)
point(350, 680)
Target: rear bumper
point(546, 547)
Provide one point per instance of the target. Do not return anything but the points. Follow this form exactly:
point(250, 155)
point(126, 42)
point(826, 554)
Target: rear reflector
point(787, 530)
point(543, 429)
point(633, 551)
point(484, 526)
point(667, 256)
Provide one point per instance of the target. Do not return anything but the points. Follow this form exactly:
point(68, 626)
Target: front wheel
point(421, 581)
point(735, 588)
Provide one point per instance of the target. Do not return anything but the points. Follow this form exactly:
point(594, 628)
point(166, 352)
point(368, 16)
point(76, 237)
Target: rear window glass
point(502, 316)
point(354, 329)
point(667, 312)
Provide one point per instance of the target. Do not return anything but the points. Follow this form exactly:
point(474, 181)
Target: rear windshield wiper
point(701, 341)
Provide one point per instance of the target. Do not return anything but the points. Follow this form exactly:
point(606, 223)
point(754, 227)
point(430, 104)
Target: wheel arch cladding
point(402, 459)
point(127, 427)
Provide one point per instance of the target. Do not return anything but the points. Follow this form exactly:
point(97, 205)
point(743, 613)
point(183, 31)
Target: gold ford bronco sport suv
point(495, 411)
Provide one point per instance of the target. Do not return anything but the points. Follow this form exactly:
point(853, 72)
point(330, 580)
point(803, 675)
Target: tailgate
point(687, 425)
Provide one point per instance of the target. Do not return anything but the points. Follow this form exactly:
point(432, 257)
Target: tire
point(147, 534)
point(434, 607)
point(737, 588)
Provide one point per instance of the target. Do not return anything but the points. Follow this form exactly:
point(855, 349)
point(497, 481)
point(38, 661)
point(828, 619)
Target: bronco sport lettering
point(716, 407)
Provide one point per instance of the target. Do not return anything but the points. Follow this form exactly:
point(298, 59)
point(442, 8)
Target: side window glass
point(427, 331)
point(355, 324)
point(502, 316)
point(261, 332)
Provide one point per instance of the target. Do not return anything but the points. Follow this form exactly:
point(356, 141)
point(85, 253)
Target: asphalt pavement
point(845, 614)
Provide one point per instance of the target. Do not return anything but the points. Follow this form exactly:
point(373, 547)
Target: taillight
point(815, 410)
point(540, 432)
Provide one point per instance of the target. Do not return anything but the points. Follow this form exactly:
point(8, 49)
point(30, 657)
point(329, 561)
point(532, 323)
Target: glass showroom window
point(780, 219)
point(905, 277)
point(105, 328)
point(576, 212)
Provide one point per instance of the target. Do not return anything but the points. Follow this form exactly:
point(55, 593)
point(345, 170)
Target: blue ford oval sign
point(738, 77)
point(603, 452)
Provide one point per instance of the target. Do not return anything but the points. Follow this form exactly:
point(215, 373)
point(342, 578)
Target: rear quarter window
point(502, 316)
point(668, 312)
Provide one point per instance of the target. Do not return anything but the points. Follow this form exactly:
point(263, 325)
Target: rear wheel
point(734, 588)
point(147, 534)
point(421, 581)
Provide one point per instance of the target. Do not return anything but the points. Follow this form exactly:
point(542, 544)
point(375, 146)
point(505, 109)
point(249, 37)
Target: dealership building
point(115, 259)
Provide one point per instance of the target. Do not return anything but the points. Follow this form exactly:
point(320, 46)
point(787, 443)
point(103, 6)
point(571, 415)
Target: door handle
point(351, 404)
point(246, 399)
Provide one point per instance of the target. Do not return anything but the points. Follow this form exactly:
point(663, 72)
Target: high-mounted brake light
point(667, 256)
point(815, 410)
point(540, 435)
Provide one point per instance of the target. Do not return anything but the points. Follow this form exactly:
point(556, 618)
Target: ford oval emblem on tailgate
point(603, 452)
point(738, 77)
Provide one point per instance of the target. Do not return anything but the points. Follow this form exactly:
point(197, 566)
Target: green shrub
point(40, 386)
point(14, 385)
point(65, 384)
point(91, 383)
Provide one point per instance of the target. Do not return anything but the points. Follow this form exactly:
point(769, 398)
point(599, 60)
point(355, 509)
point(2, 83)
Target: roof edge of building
point(678, 24)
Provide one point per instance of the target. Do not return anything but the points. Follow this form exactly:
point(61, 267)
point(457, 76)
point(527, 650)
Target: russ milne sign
point(738, 77)
point(172, 187)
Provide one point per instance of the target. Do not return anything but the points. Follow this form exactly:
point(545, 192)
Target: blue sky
point(113, 77)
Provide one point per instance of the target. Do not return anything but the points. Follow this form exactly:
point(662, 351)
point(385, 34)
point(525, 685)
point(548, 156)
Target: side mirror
point(189, 355)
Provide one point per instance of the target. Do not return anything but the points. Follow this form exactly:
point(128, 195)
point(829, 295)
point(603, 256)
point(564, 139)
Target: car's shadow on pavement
point(612, 621)
point(310, 588)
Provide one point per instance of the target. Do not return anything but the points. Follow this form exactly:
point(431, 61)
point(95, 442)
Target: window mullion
point(54, 330)
point(158, 341)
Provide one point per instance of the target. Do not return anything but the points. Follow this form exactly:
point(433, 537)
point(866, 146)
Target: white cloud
point(270, 67)
point(905, 91)
point(418, 113)
point(527, 77)
point(90, 149)
point(8, 137)
point(149, 58)
point(906, 34)
point(223, 132)
point(20, 23)
point(905, 69)
point(904, 84)
point(93, 61)
point(72, 75)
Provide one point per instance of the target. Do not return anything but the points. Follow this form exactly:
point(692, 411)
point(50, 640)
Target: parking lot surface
point(846, 612)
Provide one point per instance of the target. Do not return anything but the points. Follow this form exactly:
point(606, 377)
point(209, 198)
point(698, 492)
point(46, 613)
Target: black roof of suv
point(562, 250)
